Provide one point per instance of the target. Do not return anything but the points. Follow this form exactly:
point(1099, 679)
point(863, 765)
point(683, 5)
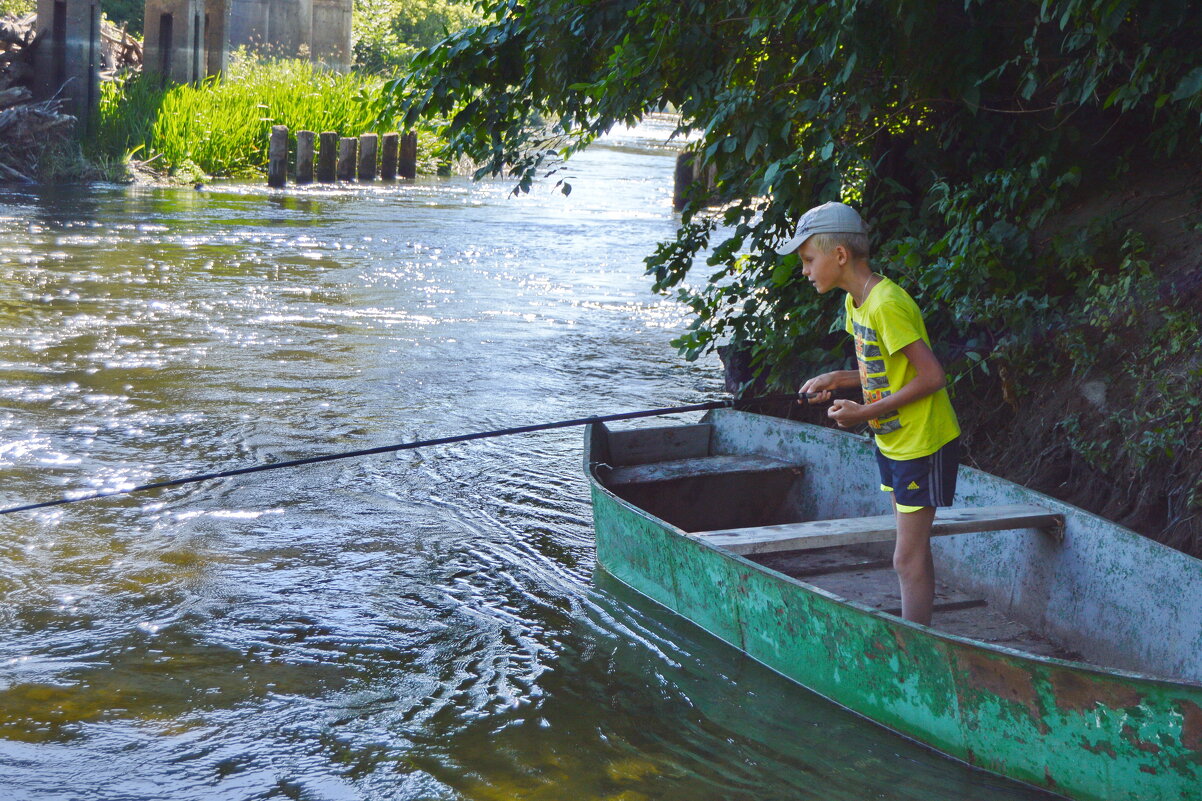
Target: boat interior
point(756, 506)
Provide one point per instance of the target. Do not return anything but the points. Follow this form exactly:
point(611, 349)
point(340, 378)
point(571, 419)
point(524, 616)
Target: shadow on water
point(687, 718)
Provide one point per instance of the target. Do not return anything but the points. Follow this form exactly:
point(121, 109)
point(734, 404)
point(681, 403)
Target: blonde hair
point(856, 244)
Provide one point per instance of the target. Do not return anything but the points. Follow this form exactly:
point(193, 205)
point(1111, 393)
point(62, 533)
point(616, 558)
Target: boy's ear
point(842, 254)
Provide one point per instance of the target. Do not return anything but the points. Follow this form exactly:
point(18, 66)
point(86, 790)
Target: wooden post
point(328, 158)
point(688, 176)
point(368, 143)
point(277, 156)
point(305, 141)
point(683, 180)
point(388, 155)
point(346, 158)
point(408, 159)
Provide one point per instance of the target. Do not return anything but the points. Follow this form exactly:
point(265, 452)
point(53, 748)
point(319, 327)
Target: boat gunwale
point(886, 617)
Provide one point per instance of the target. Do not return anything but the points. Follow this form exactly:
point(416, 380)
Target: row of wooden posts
point(341, 158)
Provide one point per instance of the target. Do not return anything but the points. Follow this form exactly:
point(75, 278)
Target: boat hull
point(1074, 729)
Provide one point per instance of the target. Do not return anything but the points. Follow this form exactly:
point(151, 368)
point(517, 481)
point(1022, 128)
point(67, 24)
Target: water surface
point(426, 625)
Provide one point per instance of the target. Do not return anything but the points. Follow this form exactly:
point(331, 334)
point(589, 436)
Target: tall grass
point(221, 125)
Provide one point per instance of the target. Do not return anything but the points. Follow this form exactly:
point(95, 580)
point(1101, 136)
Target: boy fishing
point(906, 404)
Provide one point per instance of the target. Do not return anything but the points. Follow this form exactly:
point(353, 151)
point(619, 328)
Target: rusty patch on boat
point(1100, 747)
point(1080, 692)
point(1132, 736)
point(994, 676)
point(878, 650)
point(1191, 724)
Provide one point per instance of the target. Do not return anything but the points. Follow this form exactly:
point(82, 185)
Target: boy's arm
point(821, 386)
point(930, 379)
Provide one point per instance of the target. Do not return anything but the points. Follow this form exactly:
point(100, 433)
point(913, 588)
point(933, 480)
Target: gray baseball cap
point(829, 218)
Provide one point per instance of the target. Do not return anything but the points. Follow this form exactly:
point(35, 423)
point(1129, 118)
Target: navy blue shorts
point(925, 481)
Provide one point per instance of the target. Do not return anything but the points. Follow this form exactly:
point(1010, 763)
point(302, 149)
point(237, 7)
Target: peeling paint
point(1191, 725)
point(1132, 736)
point(1003, 680)
point(1100, 747)
point(1079, 692)
point(1073, 728)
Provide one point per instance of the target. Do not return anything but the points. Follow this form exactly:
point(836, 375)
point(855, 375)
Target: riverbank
point(1111, 421)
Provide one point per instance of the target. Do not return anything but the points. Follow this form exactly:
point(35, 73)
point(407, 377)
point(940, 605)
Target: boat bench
point(695, 467)
point(879, 528)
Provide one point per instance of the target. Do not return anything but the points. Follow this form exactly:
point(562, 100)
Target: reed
point(220, 126)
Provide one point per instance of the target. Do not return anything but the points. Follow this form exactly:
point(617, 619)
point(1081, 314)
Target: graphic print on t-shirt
point(872, 376)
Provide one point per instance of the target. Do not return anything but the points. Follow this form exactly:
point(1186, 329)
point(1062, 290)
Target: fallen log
point(14, 95)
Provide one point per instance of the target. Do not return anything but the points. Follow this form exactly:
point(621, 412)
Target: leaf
point(783, 272)
point(770, 174)
point(1189, 86)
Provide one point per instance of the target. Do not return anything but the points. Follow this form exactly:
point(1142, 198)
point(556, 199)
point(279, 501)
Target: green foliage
point(17, 7)
point(128, 108)
point(129, 12)
point(962, 129)
point(1156, 408)
point(221, 126)
point(388, 32)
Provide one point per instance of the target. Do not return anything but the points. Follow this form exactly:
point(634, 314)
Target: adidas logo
point(913, 485)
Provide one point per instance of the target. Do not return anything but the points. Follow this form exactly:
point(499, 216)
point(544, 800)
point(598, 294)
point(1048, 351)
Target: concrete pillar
point(331, 45)
point(216, 36)
point(67, 61)
point(280, 28)
point(248, 23)
point(291, 24)
point(174, 39)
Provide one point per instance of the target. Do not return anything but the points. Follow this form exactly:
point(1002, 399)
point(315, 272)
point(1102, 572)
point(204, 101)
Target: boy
point(905, 404)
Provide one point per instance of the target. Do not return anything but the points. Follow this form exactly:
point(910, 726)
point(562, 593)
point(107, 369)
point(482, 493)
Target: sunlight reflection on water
point(421, 626)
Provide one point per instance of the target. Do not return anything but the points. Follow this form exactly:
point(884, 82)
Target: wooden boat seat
point(695, 467)
point(879, 528)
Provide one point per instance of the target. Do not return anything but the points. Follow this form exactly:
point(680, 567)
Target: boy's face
point(823, 269)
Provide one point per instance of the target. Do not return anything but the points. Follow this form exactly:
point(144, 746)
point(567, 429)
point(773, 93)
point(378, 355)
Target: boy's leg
point(917, 486)
point(914, 564)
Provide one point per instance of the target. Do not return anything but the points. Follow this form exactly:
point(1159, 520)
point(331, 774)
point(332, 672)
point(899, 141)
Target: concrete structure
point(188, 39)
point(217, 25)
point(331, 44)
point(67, 62)
point(185, 40)
point(319, 30)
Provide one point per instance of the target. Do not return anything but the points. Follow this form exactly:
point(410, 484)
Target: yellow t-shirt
point(887, 321)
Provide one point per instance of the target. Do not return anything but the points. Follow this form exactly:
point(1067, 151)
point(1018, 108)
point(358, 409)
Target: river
point(425, 625)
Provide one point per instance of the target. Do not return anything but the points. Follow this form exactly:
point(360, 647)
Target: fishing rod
point(404, 446)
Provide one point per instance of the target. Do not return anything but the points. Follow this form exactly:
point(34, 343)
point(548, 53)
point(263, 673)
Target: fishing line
point(404, 446)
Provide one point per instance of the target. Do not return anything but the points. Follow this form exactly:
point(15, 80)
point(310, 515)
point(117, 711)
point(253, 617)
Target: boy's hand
point(818, 389)
point(848, 414)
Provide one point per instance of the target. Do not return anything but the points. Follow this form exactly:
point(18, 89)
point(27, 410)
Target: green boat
point(1065, 650)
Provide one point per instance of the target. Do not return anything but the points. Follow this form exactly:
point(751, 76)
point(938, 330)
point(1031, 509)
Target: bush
point(388, 32)
point(17, 7)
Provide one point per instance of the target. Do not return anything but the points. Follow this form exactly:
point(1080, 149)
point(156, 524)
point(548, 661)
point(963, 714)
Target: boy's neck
point(858, 281)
